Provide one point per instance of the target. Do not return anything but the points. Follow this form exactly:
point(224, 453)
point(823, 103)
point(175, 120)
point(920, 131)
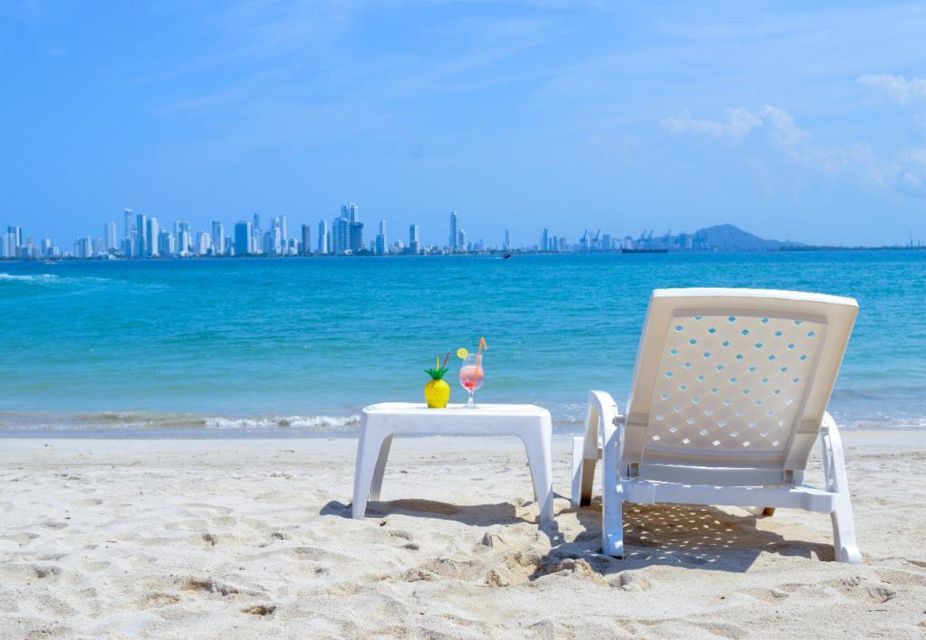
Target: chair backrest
point(730, 385)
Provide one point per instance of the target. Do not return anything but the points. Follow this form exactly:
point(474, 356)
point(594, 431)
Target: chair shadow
point(480, 515)
point(688, 536)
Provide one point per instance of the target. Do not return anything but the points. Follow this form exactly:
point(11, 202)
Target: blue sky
point(802, 121)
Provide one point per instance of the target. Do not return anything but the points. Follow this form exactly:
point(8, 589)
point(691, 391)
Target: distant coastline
point(725, 238)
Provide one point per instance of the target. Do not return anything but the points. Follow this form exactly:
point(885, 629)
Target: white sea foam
point(321, 423)
point(35, 277)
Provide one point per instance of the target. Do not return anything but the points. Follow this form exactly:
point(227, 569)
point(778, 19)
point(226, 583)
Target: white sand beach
point(252, 539)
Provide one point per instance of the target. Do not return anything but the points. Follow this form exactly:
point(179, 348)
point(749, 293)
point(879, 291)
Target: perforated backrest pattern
point(731, 383)
point(735, 378)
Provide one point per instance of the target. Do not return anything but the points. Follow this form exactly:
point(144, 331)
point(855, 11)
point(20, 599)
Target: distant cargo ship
point(644, 251)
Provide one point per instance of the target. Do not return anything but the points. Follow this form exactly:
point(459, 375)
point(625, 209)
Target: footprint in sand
point(157, 599)
point(87, 502)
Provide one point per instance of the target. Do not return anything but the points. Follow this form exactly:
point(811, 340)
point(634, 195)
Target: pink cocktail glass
point(472, 375)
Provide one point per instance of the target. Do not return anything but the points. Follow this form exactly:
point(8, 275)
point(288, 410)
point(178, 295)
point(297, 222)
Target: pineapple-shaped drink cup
point(437, 391)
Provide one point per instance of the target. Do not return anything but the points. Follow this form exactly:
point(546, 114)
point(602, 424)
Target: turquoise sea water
point(297, 346)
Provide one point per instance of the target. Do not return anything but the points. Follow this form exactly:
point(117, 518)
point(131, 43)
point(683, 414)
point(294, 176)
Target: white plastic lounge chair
point(729, 394)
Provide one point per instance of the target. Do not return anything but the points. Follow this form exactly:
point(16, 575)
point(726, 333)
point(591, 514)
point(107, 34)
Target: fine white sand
point(252, 539)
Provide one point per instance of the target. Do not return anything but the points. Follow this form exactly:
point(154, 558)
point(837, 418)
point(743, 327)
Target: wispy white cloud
point(791, 140)
point(896, 88)
point(737, 125)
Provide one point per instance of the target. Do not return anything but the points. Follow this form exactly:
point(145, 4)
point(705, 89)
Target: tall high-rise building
point(203, 243)
point(256, 225)
point(507, 245)
point(350, 211)
point(184, 237)
point(273, 240)
point(109, 236)
point(340, 235)
point(381, 245)
point(355, 237)
point(13, 241)
point(461, 240)
point(154, 232)
point(414, 239)
point(141, 235)
point(454, 235)
point(243, 233)
point(218, 238)
point(545, 240)
point(84, 247)
point(166, 246)
point(129, 231)
point(306, 240)
point(6, 246)
point(284, 231)
point(323, 238)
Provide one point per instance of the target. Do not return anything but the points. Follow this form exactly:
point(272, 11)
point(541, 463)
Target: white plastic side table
point(380, 422)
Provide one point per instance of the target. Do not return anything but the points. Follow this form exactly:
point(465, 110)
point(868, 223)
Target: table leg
point(369, 448)
point(377, 484)
point(537, 445)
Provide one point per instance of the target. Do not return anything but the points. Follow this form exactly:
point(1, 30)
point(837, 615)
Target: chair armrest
point(604, 419)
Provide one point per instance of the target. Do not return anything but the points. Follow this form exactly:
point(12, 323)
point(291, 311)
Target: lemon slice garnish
point(462, 353)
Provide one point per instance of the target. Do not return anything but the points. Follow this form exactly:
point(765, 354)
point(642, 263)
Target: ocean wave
point(119, 421)
point(320, 423)
point(37, 277)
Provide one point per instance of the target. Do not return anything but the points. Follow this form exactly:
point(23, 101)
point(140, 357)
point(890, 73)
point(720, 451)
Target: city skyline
point(143, 237)
point(786, 119)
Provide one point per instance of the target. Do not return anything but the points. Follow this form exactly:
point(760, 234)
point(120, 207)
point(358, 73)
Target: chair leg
point(834, 464)
point(583, 474)
point(612, 519)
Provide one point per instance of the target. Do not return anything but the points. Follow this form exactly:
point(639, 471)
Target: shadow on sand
point(688, 536)
point(694, 537)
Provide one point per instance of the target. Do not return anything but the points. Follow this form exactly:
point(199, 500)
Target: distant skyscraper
point(109, 236)
point(84, 247)
point(13, 241)
point(545, 240)
point(243, 232)
point(152, 235)
point(461, 240)
point(380, 247)
point(218, 238)
point(306, 240)
point(166, 246)
point(414, 239)
point(507, 240)
point(256, 225)
point(184, 237)
point(355, 237)
point(350, 211)
point(284, 231)
point(203, 243)
point(129, 232)
point(323, 248)
point(141, 235)
point(340, 235)
point(454, 235)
